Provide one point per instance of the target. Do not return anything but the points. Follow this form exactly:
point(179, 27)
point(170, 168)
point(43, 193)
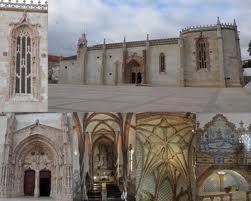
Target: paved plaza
point(129, 98)
point(27, 198)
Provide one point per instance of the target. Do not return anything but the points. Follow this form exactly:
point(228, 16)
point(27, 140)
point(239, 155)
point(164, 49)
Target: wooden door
point(29, 182)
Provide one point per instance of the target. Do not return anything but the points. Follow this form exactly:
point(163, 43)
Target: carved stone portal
point(134, 70)
point(37, 162)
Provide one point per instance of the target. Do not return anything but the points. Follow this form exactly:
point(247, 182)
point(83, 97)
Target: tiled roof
point(54, 58)
point(74, 57)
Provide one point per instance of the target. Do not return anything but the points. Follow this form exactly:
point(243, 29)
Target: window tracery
point(24, 51)
point(23, 62)
point(202, 53)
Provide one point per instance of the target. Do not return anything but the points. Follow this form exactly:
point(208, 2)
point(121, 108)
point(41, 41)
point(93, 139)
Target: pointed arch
point(202, 53)
point(24, 79)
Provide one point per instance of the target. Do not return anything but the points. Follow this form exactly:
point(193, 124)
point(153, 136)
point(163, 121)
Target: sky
point(134, 19)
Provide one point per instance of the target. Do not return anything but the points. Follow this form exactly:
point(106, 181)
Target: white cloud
point(134, 19)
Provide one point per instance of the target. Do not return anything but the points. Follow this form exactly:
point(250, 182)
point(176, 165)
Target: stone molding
point(142, 43)
point(208, 27)
point(17, 5)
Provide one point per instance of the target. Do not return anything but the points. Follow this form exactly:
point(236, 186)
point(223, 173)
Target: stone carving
point(41, 149)
point(134, 69)
point(28, 34)
point(17, 4)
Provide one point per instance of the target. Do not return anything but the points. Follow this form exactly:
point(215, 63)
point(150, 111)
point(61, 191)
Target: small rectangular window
point(162, 63)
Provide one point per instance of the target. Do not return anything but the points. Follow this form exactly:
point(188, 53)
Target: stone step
point(113, 192)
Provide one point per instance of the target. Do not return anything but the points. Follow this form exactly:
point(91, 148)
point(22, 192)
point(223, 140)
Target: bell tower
point(82, 56)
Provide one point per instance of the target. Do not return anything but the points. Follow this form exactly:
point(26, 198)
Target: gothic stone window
point(162, 63)
point(23, 62)
point(202, 53)
point(24, 73)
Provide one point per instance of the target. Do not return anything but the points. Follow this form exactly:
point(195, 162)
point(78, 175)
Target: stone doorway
point(29, 182)
point(134, 71)
point(45, 183)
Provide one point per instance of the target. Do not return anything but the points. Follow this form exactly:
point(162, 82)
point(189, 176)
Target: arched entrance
point(220, 182)
point(45, 183)
point(37, 168)
point(134, 70)
point(29, 182)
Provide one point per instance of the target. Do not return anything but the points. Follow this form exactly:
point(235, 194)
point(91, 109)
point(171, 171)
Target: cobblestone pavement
point(128, 98)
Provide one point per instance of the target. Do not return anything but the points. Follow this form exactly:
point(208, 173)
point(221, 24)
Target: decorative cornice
point(36, 125)
point(142, 43)
point(20, 6)
point(210, 27)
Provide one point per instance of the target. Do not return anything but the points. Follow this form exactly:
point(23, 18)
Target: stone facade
point(23, 57)
point(140, 62)
point(36, 155)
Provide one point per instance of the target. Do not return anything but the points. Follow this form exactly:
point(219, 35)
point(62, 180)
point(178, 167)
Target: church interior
point(103, 161)
point(202, 157)
point(165, 157)
point(161, 156)
point(223, 157)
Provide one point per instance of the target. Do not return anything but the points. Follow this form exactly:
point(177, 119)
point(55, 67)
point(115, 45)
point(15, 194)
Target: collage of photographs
point(125, 100)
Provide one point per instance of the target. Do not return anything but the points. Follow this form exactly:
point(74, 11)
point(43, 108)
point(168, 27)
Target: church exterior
point(23, 56)
point(36, 156)
point(202, 56)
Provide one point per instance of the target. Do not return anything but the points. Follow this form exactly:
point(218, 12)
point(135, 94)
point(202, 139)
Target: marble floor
point(129, 98)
